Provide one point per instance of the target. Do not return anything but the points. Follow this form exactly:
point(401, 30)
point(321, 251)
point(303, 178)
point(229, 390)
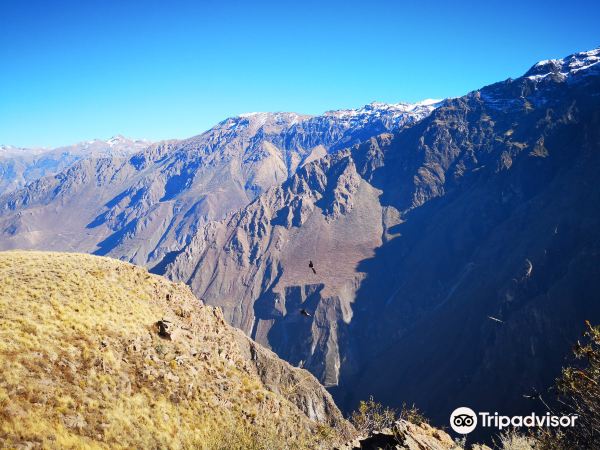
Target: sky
point(76, 70)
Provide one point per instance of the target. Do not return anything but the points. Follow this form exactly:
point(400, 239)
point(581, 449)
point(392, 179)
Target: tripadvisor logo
point(463, 420)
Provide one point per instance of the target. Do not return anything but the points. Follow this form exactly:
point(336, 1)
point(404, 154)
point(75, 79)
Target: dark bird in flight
point(305, 312)
point(312, 266)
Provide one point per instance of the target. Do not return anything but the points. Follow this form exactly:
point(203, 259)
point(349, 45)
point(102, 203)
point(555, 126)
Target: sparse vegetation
point(382, 427)
point(83, 365)
point(371, 416)
point(513, 440)
point(412, 414)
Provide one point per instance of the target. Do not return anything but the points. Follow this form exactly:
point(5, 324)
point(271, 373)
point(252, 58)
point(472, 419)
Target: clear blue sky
point(76, 70)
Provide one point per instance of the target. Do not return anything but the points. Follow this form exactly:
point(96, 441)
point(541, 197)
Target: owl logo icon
point(463, 420)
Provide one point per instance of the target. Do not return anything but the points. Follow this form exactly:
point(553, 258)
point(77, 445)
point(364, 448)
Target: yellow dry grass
point(82, 365)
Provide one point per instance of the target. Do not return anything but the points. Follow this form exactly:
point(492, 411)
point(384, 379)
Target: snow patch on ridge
point(567, 67)
point(378, 108)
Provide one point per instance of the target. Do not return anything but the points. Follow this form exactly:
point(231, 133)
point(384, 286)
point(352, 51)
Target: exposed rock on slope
point(488, 207)
point(144, 207)
point(95, 352)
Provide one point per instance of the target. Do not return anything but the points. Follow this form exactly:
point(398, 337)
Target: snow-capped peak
point(422, 108)
point(391, 113)
point(255, 120)
point(577, 64)
point(116, 140)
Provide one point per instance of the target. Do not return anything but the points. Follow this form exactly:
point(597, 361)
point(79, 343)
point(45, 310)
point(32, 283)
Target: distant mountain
point(19, 166)
point(455, 260)
point(142, 207)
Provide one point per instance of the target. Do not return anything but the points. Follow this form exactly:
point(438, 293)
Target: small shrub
point(512, 440)
point(371, 416)
point(412, 414)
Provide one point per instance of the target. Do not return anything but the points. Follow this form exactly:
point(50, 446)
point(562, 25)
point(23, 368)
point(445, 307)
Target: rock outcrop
point(404, 436)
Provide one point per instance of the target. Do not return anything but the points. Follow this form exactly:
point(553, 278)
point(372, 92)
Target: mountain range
point(455, 244)
point(19, 166)
point(144, 206)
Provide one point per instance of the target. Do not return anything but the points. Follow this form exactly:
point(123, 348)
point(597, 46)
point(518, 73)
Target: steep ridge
point(97, 353)
point(146, 206)
point(488, 207)
point(19, 166)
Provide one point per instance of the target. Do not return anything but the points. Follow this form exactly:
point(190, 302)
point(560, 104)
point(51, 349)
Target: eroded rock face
point(302, 390)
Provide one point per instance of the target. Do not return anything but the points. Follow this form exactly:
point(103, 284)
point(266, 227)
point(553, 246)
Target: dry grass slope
point(83, 365)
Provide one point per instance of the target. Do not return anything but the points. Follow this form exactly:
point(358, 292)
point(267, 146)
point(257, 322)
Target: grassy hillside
point(83, 364)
